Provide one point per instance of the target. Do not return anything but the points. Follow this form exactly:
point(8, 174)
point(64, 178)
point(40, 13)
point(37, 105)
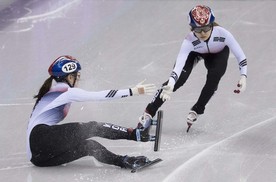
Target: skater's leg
point(74, 132)
point(91, 148)
point(108, 130)
point(82, 149)
point(157, 102)
point(49, 141)
point(216, 65)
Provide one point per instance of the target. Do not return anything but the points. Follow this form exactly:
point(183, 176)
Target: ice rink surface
point(119, 43)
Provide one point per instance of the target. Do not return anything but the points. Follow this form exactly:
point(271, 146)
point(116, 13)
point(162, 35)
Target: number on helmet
point(69, 67)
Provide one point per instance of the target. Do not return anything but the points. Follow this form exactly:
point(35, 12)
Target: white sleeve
point(80, 95)
point(237, 51)
point(183, 54)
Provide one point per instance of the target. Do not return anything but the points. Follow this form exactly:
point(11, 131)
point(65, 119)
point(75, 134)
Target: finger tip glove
point(241, 84)
point(166, 92)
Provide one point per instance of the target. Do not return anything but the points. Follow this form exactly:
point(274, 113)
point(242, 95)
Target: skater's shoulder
point(190, 37)
point(220, 30)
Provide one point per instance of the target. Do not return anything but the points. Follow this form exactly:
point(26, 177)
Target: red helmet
point(200, 16)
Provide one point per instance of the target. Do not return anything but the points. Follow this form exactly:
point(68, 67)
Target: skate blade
point(153, 122)
point(158, 131)
point(189, 126)
point(152, 138)
point(148, 164)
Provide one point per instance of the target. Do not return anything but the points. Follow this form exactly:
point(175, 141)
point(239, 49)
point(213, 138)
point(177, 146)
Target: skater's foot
point(144, 121)
point(144, 124)
point(191, 119)
point(140, 135)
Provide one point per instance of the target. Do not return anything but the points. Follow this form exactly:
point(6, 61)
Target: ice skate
point(146, 165)
point(145, 122)
point(191, 119)
point(140, 135)
point(142, 132)
point(134, 162)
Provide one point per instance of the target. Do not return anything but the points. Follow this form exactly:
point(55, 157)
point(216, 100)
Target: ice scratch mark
point(16, 104)
point(48, 14)
point(146, 66)
point(18, 31)
point(163, 43)
point(172, 176)
point(16, 167)
point(253, 170)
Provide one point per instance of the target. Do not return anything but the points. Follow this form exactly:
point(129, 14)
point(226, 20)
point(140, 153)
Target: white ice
point(120, 43)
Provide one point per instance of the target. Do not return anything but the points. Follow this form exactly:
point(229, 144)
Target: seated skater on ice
point(51, 143)
point(206, 41)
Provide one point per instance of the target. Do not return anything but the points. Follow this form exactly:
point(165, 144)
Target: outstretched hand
point(166, 92)
point(141, 88)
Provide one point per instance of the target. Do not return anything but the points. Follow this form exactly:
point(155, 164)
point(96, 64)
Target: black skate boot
point(133, 162)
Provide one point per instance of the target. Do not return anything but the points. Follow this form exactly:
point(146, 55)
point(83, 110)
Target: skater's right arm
point(185, 50)
point(182, 56)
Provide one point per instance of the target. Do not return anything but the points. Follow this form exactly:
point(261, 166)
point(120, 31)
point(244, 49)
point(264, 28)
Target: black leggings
point(60, 144)
point(215, 64)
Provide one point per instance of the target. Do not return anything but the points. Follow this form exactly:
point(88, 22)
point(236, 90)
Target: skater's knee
point(215, 75)
point(93, 147)
point(214, 79)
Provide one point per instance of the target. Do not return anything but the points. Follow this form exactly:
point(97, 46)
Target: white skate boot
point(145, 121)
point(191, 119)
point(144, 126)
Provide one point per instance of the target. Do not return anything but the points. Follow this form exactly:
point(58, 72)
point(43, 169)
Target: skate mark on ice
point(192, 160)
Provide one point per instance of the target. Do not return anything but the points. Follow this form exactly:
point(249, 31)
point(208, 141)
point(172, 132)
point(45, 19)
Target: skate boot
point(145, 121)
point(132, 162)
point(140, 135)
point(191, 119)
point(144, 124)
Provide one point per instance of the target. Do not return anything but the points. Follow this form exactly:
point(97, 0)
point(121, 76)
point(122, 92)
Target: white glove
point(166, 92)
point(141, 88)
point(241, 84)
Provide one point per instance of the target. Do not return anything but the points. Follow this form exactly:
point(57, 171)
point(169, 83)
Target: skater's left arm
point(241, 58)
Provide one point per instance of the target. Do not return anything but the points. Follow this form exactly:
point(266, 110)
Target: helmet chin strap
point(74, 82)
point(70, 85)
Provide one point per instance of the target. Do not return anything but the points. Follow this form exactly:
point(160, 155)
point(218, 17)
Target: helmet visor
point(206, 28)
